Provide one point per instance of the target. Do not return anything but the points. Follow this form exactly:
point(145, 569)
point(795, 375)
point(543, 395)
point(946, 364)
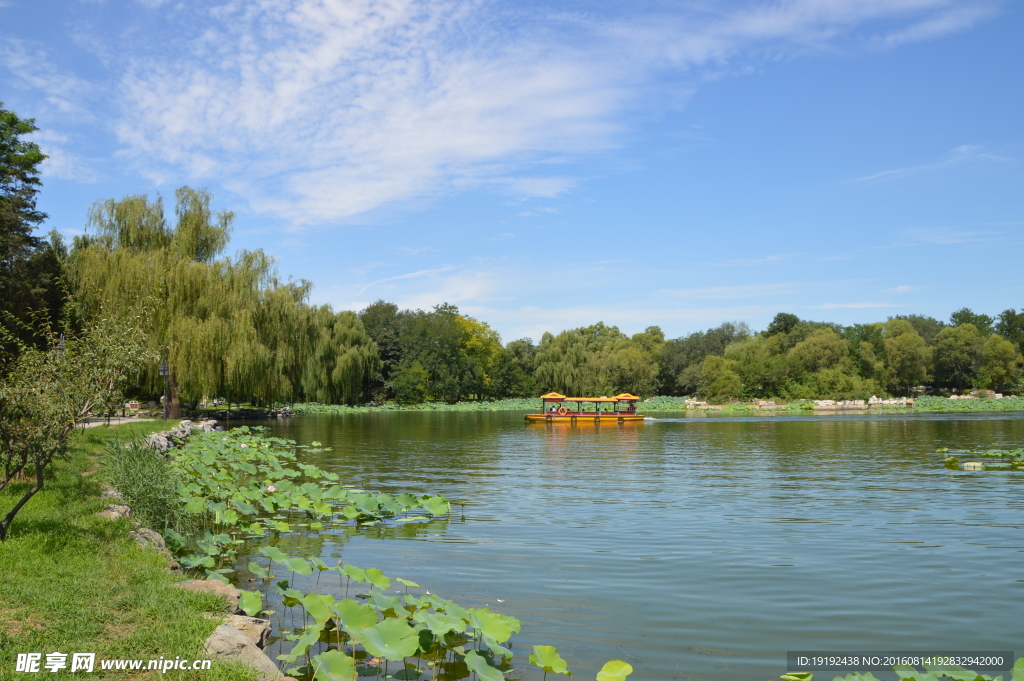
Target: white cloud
point(852, 306)
point(946, 237)
point(733, 292)
point(956, 156)
point(323, 109)
point(30, 64)
point(954, 20)
point(319, 110)
point(60, 162)
point(400, 277)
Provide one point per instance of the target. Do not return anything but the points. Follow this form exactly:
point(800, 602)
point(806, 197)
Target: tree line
point(443, 355)
point(228, 326)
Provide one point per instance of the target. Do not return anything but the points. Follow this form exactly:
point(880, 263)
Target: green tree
point(719, 381)
point(784, 322)
point(761, 371)
point(29, 266)
point(438, 341)
point(513, 371)
point(46, 392)
point(982, 322)
point(1000, 367)
point(632, 370)
point(926, 327)
point(410, 382)
point(906, 356)
point(681, 359)
point(225, 326)
point(1011, 327)
point(385, 325)
point(823, 349)
point(958, 353)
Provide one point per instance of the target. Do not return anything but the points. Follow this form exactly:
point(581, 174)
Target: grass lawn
point(72, 582)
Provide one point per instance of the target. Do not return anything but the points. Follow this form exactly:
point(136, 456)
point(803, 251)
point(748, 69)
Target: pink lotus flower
point(271, 488)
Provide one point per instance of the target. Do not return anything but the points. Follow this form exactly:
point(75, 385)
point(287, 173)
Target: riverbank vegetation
point(75, 582)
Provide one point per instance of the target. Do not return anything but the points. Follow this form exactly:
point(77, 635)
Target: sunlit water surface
point(697, 548)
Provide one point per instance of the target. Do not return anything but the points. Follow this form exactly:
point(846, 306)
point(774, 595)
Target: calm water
point(699, 548)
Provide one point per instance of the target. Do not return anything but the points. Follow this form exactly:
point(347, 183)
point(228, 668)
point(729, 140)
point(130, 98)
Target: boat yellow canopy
point(624, 409)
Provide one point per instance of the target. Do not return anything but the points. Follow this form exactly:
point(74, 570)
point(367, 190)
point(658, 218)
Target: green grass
point(73, 582)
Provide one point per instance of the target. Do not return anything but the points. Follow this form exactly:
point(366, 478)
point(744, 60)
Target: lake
point(697, 548)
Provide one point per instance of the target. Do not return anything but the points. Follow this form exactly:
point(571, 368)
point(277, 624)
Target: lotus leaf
point(281, 526)
point(616, 670)
point(392, 639)
point(251, 602)
point(548, 659)
point(309, 637)
point(377, 578)
point(258, 570)
point(406, 582)
point(440, 625)
point(497, 649)
point(494, 627)
point(408, 673)
point(478, 663)
point(334, 666)
point(354, 573)
point(275, 554)
point(319, 606)
point(382, 602)
point(355, 615)
point(436, 505)
point(389, 503)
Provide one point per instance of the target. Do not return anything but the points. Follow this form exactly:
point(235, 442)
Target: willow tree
point(226, 326)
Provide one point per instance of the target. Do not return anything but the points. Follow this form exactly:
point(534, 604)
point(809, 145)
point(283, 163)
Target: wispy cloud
point(410, 275)
point(956, 156)
point(954, 20)
point(419, 250)
point(732, 292)
point(32, 68)
point(779, 257)
point(904, 289)
point(854, 306)
point(947, 237)
point(316, 111)
point(60, 162)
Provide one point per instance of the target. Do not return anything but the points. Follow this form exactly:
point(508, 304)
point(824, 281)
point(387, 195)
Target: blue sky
point(545, 165)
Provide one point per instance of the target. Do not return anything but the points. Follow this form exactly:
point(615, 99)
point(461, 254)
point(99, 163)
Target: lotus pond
point(691, 548)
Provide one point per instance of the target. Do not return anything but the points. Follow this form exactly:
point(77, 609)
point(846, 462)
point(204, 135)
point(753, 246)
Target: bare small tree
point(46, 391)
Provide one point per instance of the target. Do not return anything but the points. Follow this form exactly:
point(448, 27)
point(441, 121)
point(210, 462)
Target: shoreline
point(920, 405)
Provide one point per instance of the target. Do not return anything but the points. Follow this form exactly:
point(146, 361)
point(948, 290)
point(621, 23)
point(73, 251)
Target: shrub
point(149, 484)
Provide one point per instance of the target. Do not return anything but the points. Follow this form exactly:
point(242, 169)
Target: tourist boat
point(618, 409)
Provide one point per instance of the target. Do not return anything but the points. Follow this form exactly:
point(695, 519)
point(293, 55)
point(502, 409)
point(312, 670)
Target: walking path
point(94, 421)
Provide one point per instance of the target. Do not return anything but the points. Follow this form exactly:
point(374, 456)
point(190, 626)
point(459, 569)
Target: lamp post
point(164, 371)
